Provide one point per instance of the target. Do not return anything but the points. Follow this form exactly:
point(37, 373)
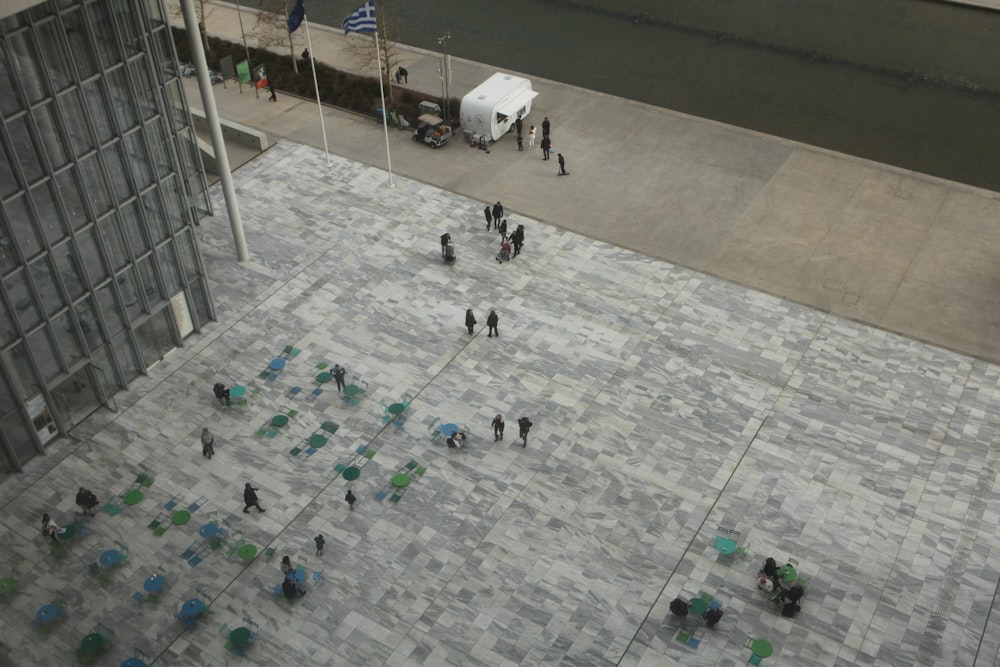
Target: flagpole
point(312, 60)
point(385, 112)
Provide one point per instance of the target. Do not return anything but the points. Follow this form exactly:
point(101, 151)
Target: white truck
point(489, 111)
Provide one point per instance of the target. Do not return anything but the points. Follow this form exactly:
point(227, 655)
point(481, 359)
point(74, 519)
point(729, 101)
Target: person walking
point(497, 212)
point(489, 218)
point(403, 73)
point(531, 137)
point(524, 425)
point(519, 124)
point(338, 375)
point(498, 427)
point(351, 499)
point(502, 228)
point(517, 239)
point(470, 321)
point(562, 166)
point(270, 86)
point(546, 145)
point(207, 443)
point(520, 144)
point(445, 240)
point(250, 498)
point(320, 543)
point(492, 322)
point(546, 126)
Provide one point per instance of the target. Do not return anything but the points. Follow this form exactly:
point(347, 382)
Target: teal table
point(240, 637)
point(279, 420)
point(725, 545)
point(237, 391)
point(324, 377)
point(396, 409)
point(353, 390)
point(351, 473)
point(697, 606)
point(317, 440)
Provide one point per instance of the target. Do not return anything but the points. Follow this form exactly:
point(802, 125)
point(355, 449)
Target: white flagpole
point(312, 60)
point(385, 112)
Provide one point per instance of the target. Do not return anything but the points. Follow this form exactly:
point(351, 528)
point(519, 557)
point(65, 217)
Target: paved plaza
point(665, 404)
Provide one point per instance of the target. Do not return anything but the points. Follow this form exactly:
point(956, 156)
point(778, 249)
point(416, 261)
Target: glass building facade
point(101, 186)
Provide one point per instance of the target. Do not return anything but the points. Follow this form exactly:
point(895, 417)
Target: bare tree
point(199, 10)
point(271, 27)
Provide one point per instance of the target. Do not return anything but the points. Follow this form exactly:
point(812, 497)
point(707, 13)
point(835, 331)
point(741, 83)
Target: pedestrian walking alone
point(562, 166)
point(270, 86)
point(524, 425)
point(320, 543)
point(338, 374)
point(531, 137)
point(250, 498)
point(445, 240)
point(489, 218)
point(470, 321)
point(546, 126)
point(351, 499)
point(520, 144)
point(207, 443)
point(492, 321)
point(498, 428)
point(546, 145)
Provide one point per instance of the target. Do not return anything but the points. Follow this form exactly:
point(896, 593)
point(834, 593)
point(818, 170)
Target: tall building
point(101, 186)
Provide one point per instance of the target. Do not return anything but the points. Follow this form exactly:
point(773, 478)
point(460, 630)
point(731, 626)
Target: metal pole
point(385, 112)
point(291, 44)
point(249, 64)
point(312, 60)
point(445, 70)
point(215, 129)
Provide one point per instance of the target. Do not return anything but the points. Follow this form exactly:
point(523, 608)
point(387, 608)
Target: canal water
point(913, 83)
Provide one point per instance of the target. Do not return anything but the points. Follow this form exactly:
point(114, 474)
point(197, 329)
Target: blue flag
point(362, 20)
point(296, 17)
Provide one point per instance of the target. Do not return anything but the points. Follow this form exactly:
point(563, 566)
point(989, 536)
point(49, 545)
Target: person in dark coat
point(517, 238)
point(546, 126)
point(497, 212)
point(270, 87)
point(87, 501)
point(250, 498)
point(546, 145)
point(470, 320)
point(403, 73)
point(712, 617)
point(221, 392)
point(492, 322)
point(562, 166)
point(489, 218)
point(523, 426)
point(338, 375)
point(350, 498)
point(445, 240)
point(320, 543)
point(678, 607)
point(502, 228)
point(498, 428)
point(207, 443)
point(519, 124)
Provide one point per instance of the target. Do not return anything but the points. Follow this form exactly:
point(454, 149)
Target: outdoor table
point(399, 480)
point(697, 606)
point(68, 532)
point(725, 545)
point(7, 584)
point(352, 390)
point(788, 574)
point(246, 552)
point(239, 637)
point(296, 575)
point(279, 420)
point(761, 648)
point(133, 662)
point(351, 473)
point(324, 377)
point(180, 517)
point(317, 440)
point(109, 558)
point(133, 497)
point(209, 531)
point(237, 391)
point(191, 608)
point(46, 614)
point(447, 430)
point(396, 409)
point(275, 365)
point(153, 584)
point(92, 643)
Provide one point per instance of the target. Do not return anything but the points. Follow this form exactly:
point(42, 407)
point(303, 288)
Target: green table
point(697, 606)
point(237, 391)
point(353, 390)
point(180, 517)
point(69, 531)
point(788, 574)
point(246, 552)
point(240, 637)
point(761, 648)
point(351, 473)
point(396, 409)
point(317, 440)
point(92, 643)
point(324, 377)
point(279, 420)
point(133, 497)
point(399, 480)
point(7, 584)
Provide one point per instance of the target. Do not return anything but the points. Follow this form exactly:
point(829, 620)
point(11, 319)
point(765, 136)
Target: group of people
point(712, 616)
point(769, 581)
point(492, 320)
point(290, 587)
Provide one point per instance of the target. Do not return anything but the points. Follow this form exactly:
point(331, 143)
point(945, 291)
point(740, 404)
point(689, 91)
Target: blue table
point(275, 365)
point(447, 429)
point(109, 558)
point(209, 531)
point(191, 608)
point(298, 576)
point(153, 584)
point(46, 614)
point(134, 662)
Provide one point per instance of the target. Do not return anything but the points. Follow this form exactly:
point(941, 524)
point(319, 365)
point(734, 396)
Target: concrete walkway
point(898, 250)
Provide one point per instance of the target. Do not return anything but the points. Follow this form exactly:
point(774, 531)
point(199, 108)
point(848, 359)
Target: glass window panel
point(125, 356)
point(45, 284)
point(90, 256)
point(24, 305)
point(48, 132)
point(69, 193)
point(184, 246)
point(87, 317)
point(163, 51)
point(20, 220)
point(174, 199)
point(155, 336)
point(130, 293)
point(44, 353)
point(117, 172)
point(134, 229)
point(70, 107)
point(156, 224)
point(21, 440)
point(145, 97)
point(93, 184)
point(112, 313)
point(122, 99)
point(43, 197)
point(58, 66)
point(150, 285)
point(27, 61)
point(100, 22)
point(7, 333)
point(23, 377)
point(98, 110)
point(8, 181)
point(159, 147)
point(112, 235)
point(202, 304)
point(128, 26)
point(7, 399)
point(24, 148)
point(106, 372)
point(8, 253)
point(14, 21)
point(79, 42)
point(69, 269)
point(138, 159)
point(168, 268)
point(175, 101)
point(66, 337)
point(155, 13)
point(10, 104)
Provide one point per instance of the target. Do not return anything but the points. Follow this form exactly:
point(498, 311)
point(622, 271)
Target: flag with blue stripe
point(362, 20)
point(295, 18)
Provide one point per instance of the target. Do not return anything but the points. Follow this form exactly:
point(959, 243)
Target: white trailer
point(495, 105)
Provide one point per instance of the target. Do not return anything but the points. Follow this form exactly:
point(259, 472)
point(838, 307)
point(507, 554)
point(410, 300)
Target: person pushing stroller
point(504, 254)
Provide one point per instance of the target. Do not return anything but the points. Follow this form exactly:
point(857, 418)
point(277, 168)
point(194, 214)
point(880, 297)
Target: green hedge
point(336, 88)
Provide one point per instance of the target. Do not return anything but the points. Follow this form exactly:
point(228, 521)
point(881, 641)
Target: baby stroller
point(504, 254)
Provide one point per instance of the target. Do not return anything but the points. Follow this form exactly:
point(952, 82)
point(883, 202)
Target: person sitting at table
point(770, 572)
point(456, 441)
point(790, 609)
point(86, 501)
point(679, 607)
point(50, 528)
point(794, 593)
point(291, 589)
point(221, 392)
point(712, 617)
point(286, 566)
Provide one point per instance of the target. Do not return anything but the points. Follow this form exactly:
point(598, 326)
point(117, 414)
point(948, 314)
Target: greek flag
point(362, 20)
point(295, 18)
